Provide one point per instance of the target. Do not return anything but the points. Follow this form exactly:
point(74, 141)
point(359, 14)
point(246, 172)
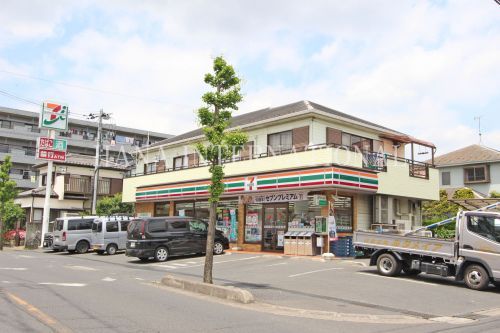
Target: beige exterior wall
point(396, 181)
point(326, 156)
point(55, 203)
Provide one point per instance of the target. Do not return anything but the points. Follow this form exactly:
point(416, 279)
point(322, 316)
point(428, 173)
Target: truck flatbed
point(411, 244)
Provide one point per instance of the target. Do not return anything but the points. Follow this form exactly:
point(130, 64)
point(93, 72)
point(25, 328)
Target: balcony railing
point(84, 186)
point(371, 160)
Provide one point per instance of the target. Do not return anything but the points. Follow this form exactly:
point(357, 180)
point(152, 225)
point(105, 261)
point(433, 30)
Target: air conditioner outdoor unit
point(403, 224)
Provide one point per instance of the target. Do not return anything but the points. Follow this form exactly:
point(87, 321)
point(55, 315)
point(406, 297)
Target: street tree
point(8, 191)
point(12, 213)
point(221, 143)
point(113, 205)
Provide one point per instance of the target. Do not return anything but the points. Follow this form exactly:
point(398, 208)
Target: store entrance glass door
point(275, 223)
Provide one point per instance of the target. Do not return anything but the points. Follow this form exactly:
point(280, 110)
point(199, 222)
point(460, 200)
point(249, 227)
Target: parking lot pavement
point(347, 286)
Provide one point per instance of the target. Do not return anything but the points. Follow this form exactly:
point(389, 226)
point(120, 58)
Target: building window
point(476, 174)
point(150, 168)
point(445, 178)
point(279, 143)
point(352, 141)
point(30, 151)
point(6, 124)
point(162, 208)
point(180, 162)
point(184, 209)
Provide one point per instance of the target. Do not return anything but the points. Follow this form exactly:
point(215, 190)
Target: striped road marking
point(38, 314)
point(319, 270)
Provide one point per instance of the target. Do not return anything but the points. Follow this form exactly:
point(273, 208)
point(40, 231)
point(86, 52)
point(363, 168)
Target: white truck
point(473, 255)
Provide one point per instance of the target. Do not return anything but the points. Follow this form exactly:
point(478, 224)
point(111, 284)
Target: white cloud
point(417, 67)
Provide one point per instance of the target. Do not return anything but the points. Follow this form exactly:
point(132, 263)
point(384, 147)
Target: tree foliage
point(222, 144)
point(435, 211)
point(113, 205)
point(8, 191)
point(463, 193)
point(494, 194)
point(11, 214)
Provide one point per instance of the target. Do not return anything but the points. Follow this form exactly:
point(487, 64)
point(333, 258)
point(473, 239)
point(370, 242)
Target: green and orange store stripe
point(296, 179)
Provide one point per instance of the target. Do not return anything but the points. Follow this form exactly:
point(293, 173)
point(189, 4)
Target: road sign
point(54, 116)
point(52, 144)
point(51, 155)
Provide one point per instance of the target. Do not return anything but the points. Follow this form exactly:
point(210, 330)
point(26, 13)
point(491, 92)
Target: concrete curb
point(225, 292)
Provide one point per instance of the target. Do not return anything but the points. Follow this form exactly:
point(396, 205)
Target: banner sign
point(52, 144)
point(279, 197)
point(51, 155)
point(54, 116)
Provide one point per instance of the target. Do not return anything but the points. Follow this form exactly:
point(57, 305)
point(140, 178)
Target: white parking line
point(81, 268)
point(395, 278)
point(108, 279)
point(280, 263)
point(63, 284)
point(14, 268)
point(164, 266)
point(356, 263)
point(177, 264)
point(319, 270)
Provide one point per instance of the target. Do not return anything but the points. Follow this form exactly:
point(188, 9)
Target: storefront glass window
point(184, 209)
point(253, 224)
point(162, 208)
point(343, 213)
point(227, 216)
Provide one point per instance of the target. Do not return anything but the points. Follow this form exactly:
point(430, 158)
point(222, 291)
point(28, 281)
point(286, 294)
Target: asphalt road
point(47, 292)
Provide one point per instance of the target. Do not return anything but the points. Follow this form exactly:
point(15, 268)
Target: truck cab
point(478, 239)
point(472, 256)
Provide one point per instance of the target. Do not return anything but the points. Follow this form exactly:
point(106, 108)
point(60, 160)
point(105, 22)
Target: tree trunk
point(209, 259)
point(1, 234)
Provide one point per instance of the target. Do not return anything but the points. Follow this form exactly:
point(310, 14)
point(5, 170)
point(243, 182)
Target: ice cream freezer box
point(300, 243)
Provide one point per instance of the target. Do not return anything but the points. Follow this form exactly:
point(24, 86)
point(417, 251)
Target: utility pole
point(48, 193)
point(101, 116)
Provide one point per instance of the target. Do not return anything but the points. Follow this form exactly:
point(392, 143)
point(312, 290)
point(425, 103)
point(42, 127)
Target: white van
point(73, 234)
point(109, 234)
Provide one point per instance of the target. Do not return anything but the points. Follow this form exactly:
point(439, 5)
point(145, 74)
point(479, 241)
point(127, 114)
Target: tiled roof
point(39, 191)
point(468, 155)
point(276, 112)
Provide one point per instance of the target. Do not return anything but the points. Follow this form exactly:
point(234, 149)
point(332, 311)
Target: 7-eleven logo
point(251, 183)
point(54, 116)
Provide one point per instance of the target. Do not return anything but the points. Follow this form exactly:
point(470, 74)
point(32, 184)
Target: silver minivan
point(109, 234)
point(73, 234)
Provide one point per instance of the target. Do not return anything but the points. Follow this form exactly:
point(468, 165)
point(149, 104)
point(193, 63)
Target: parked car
point(73, 234)
point(109, 234)
point(162, 237)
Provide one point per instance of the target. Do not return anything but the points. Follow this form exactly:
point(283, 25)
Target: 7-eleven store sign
point(296, 179)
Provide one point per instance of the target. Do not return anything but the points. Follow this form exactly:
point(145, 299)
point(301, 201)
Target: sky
point(425, 68)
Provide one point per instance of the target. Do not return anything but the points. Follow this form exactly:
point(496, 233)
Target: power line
point(72, 85)
point(22, 99)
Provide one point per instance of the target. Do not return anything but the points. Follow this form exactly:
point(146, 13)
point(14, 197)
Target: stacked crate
point(342, 247)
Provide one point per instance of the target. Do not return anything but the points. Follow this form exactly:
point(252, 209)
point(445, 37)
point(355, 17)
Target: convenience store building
point(302, 162)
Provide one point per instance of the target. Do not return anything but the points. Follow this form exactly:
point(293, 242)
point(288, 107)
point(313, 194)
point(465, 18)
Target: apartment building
point(19, 131)
point(302, 162)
